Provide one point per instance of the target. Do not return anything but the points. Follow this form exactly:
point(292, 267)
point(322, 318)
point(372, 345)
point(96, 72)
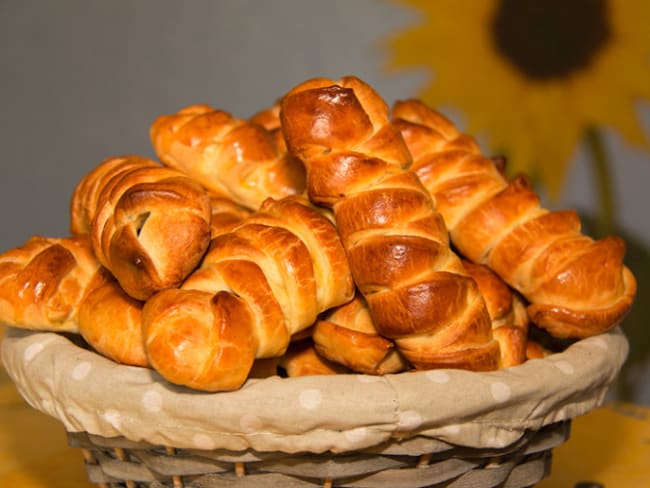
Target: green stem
point(600, 163)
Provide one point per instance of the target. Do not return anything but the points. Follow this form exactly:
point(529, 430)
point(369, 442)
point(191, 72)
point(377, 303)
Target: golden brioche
point(347, 336)
point(396, 242)
point(44, 281)
point(267, 279)
point(233, 158)
point(225, 215)
point(149, 225)
point(535, 350)
point(110, 321)
point(302, 359)
point(576, 286)
point(199, 339)
point(507, 312)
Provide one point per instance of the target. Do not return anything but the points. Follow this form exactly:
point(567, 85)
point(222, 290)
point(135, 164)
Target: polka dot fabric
point(89, 393)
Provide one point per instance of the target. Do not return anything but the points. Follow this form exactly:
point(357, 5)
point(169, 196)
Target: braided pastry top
point(110, 321)
point(396, 241)
point(233, 158)
point(44, 281)
point(577, 286)
point(259, 284)
point(149, 225)
point(346, 335)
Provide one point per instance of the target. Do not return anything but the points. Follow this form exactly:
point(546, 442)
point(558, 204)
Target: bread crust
point(268, 278)
point(233, 158)
point(149, 225)
point(44, 281)
point(577, 287)
point(396, 242)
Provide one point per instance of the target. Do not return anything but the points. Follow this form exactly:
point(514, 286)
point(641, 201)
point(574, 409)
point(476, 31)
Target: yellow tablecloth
point(610, 445)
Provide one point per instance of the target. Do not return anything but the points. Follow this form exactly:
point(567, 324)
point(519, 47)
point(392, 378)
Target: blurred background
point(566, 100)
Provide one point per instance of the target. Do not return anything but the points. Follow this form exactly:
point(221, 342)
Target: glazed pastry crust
point(110, 321)
point(44, 281)
point(576, 286)
point(233, 158)
point(260, 285)
point(149, 225)
point(396, 241)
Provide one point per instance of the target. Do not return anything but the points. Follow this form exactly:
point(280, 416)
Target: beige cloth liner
point(89, 393)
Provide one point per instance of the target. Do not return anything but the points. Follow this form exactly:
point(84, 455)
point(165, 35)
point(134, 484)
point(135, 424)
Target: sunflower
point(534, 76)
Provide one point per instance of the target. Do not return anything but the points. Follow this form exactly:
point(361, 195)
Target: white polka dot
point(81, 370)
point(152, 401)
point(440, 377)
point(250, 423)
point(356, 435)
point(409, 420)
point(310, 399)
point(32, 350)
point(564, 366)
point(113, 417)
point(203, 441)
point(600, 343)
point(500, 391)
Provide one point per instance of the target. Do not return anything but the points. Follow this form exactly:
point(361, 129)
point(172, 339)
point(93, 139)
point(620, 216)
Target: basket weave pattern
point(119, 462)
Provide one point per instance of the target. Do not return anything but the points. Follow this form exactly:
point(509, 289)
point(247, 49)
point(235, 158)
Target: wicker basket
point(440, 428)
point(119, 462)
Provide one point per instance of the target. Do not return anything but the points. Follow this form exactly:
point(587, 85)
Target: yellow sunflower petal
point(538, 124)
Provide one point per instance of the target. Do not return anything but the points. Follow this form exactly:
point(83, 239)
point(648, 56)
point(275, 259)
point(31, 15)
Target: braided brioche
point(300, 359)
point(348, 336)
point(149, 225)
point(225, 215)
point(269, 118)
point(535, 350)
point(396, 242)
point(110, 321)
point(230, 157)
point(507, 312)
point(44, 281)
point(576, 286)
point(260, 284)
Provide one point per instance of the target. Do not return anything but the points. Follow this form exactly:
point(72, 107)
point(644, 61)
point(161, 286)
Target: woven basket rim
point(89, 393)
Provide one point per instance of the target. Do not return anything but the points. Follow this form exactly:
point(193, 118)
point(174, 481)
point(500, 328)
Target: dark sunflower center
point(548, 39)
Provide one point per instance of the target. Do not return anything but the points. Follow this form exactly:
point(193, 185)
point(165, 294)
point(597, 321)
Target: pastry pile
point(327, 234)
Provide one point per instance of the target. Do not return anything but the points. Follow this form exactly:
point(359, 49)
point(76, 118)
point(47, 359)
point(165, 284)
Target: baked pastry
point(577, 287)
point(110, 321)
point(507, 311)
point(259, 285)
point(233, 158)
point(269, 118)
point(300, 359)
point(44, 281)
point(346, 335)
point(396, 242)
point(149, 225)
point(225, 215)
point(535, 350)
